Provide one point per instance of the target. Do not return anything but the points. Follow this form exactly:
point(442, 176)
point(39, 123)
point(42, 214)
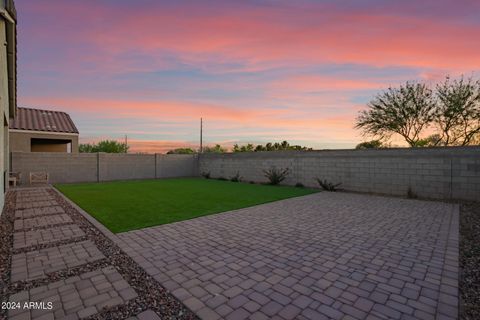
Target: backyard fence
point(97, 167)
point(437, 173)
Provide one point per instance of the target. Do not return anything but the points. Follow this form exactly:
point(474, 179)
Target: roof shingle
point(42, 120)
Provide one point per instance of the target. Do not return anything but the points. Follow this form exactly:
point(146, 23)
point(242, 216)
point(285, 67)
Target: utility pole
point(201, 135)
point(126, 144)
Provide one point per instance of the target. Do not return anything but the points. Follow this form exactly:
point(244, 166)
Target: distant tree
point(372, 144)
point(245, 148)
point(109, 146)
point(216, 149)
point(458, 111)
point(277, 146)
point(405, 111)
point(87, 148)
point(181, 151)
point(430, 141)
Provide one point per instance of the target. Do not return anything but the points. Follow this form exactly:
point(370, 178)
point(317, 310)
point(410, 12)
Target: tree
point(282, 146)
point(216, 149)
point(405, 111)
point(87, 148)
point(181, 151)
point(373, 144)
point(109, 146)
point(458, 111)
point(245, 148)
point(430, 141)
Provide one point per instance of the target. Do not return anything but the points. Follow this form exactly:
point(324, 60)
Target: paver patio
point(322, 256)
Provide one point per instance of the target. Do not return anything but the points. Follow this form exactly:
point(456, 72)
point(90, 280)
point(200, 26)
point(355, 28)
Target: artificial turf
point(128, 205)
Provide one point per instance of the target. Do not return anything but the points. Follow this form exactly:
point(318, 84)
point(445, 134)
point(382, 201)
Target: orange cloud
point(161, 110)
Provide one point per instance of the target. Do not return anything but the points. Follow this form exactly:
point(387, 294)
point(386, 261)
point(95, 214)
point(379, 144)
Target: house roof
point(42, 120)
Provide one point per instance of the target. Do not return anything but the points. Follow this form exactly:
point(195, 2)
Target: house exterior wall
point(20, 141)
point(4, 109)
point(437, 173)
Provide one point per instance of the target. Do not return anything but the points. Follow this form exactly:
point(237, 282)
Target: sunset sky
point(256, 71)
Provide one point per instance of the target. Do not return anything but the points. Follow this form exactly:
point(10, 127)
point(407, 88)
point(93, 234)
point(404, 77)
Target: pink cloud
point(262, 37)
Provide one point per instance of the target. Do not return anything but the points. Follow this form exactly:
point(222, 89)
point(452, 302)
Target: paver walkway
point(48, 243)
point(322, 256)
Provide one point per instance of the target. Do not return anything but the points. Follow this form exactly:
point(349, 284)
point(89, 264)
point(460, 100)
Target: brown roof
point(42, 120)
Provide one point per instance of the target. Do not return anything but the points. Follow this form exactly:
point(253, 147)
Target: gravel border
point(6, 244)
point(470, 261)
point(151, 295)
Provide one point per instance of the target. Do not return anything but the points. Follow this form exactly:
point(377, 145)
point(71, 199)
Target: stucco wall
point(93, 167)
point(439, 173)
point(21, 141)
point(4, 113)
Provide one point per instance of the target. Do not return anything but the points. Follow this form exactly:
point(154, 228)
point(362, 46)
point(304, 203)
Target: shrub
point(236, 177)
point(251, 182)
point(411, 194)
point(222, 178)
point(275, 176)
point(299, 185)
point(206, 175)
point(327, 185)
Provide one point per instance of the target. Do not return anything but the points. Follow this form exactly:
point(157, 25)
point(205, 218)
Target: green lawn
point(128, 205)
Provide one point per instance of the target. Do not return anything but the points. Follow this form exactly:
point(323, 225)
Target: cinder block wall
point(62, 167)
point(115, 166)
point(438, 173)
point(93, 167)
point(176, 165)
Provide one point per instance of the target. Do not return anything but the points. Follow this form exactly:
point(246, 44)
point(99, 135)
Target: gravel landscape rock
point(470, 261)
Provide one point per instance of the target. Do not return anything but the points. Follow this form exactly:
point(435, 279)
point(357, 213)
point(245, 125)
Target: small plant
point(299, 185)
point(275, 176)
point(206, 175)
point(327, 185)
point(222, 178)
point(251, 182)
point(236, 177)
point(411, 194)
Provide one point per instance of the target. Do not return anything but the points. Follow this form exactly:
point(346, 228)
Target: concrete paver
point(75, 297)
point(39, 222)
point(39, 219)
point(322, 256)
point(36, 264)
point(23, 239)
point(34, 212)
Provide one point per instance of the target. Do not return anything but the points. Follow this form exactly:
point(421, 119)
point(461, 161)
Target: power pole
point(126, 144)
point(201, 135)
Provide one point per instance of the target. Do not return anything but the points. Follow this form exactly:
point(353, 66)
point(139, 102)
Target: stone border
point(109, 234)
point(6, 246)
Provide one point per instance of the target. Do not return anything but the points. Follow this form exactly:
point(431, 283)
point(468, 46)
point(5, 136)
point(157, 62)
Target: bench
point(14, 178)
point(38, 177)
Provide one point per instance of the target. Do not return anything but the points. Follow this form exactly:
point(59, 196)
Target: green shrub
point(236, 177)
point(327, 185)
point(206, 175)
point(222, 178)
point(275, 176)
point(299, 185)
